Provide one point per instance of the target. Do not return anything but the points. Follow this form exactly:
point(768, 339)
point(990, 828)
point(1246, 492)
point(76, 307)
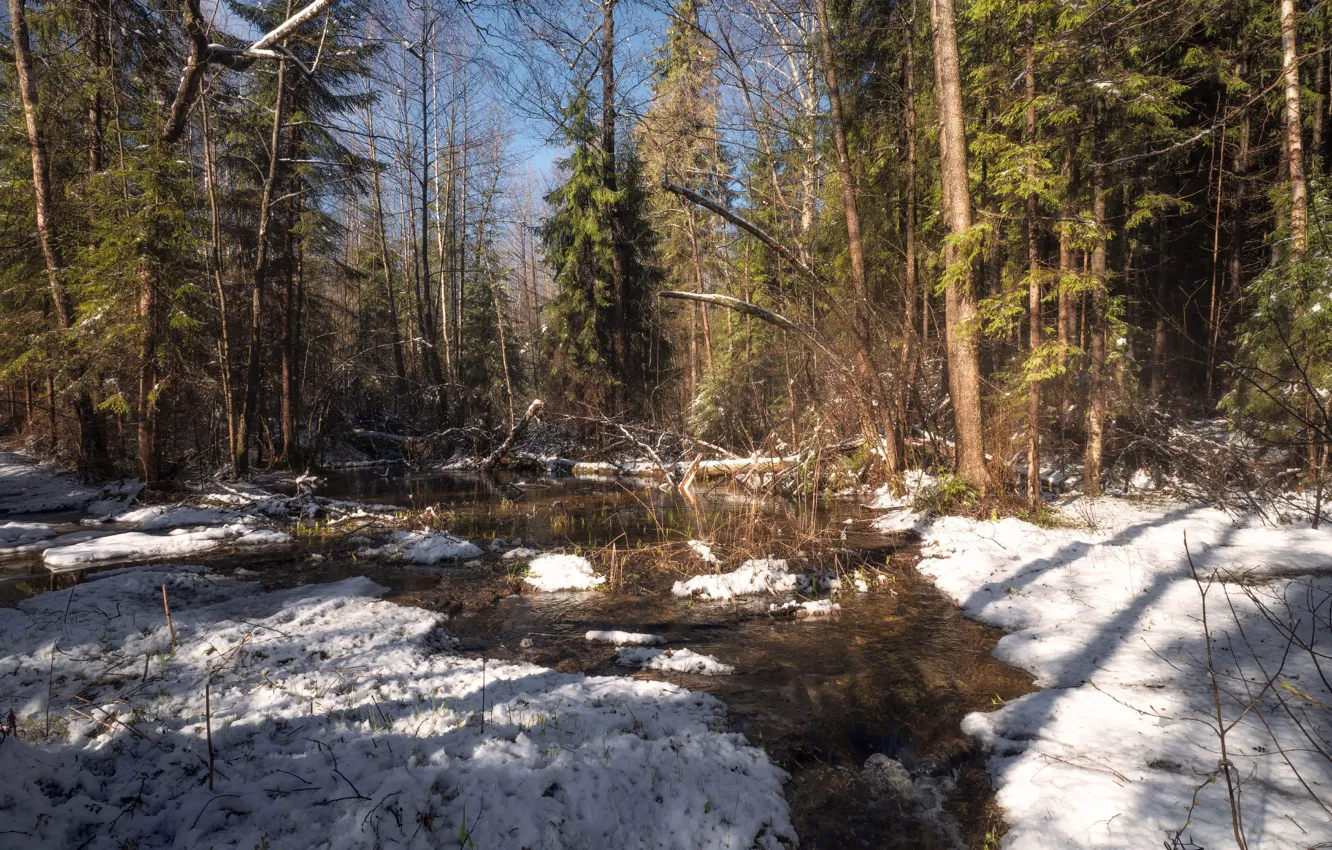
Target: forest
point(677, 424)
point(997, 236)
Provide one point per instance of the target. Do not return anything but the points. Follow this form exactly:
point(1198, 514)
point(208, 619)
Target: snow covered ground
point(1119, 747)
point(554, 572)
point(423, 547)
point(339, 720)
point(27, 488)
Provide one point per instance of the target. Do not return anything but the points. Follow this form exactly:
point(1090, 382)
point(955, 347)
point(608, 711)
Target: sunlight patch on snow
point(342, 721)
point(562, 572)
point(673, 661)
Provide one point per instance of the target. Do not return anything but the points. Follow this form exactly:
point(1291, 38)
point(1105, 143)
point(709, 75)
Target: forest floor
point(325, 715)
point(1119, 747)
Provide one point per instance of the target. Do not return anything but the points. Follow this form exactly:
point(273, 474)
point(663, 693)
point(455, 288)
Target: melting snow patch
point(422, 547)
point(625, 638)
point(762, 575)
point(703, 551)
point(522, 553)
point(803, 610)
point(900, 522)
point(562, 572)
point(139, 546)
point(673, 661)
point(161, 517)
point(1107, 618)
point(20, 533)
point(311, 688)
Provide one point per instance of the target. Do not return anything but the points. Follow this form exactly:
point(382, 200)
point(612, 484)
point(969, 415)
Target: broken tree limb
point(204, 53)
point(810, 339)
point(514, 433)
point(744, 224)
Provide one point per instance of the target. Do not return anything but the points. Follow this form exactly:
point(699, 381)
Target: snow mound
point(20, 533)
point(900, 522)
point(136, 545)
point(703, 551)
point(562, 572)
point(1107, 618)
point(914, 482)
point(804, 610)
point(624, 638)
point(673, 661)
point(761, 575)
point(37, 546)
point(163, 517)
point(522, 553)
point(337, 722)
point(422, 547)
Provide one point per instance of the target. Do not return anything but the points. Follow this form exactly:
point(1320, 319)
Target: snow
point(522, 553)
point(342, 721)
point(673, 661)
point(27, 488)
point(703, 551)
point(34, 547)
point(624, 638)
point(163, 517)
point(140, 546)
point(1107, 618)
point(900, 521)
point(914, 482)
point(761, 575)
point(422, 547)
point(808, 608)
point(562, 572)
point(19, 533)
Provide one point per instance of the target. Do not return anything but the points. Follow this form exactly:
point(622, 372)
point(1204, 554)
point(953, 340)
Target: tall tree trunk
point(431, 358)
point(618, 283)
point(291, 444)
point(399, 362)
point(1156, 387)
point(253, 373)
point(960, 300)
point(1237, 199)
point(910, 358)
point(147, 408)
point(93, 461)
point(1096, 392)
point(1290, 71)
point(1033, 281)
point(215, 264)
point(868, 376)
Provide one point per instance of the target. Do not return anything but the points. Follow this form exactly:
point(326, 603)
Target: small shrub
point(948, 495)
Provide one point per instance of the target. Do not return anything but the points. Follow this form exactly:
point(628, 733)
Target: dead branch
point(204, 53)
point(514, 433)
point(746, 225)
point(810, 339)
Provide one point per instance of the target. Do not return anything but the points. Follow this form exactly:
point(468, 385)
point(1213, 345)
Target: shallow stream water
point(863, 709)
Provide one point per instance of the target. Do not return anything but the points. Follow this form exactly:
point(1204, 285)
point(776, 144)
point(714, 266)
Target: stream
point(863, 709)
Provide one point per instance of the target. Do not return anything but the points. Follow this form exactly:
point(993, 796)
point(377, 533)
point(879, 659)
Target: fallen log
point(514, 433)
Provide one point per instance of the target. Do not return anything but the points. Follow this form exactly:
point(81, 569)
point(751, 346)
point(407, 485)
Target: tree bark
point(92, 449)
point(1033, 280)
point(912, 287)
point(868, 375)
point(215, 262)
point(1096, 371)
point(620, 330)
point(1294, 145)
point(147, 408)
point(960, 300)
point(253, 373)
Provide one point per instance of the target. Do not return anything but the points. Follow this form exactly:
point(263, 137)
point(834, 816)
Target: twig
point(166, 606)
point(208, 726)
